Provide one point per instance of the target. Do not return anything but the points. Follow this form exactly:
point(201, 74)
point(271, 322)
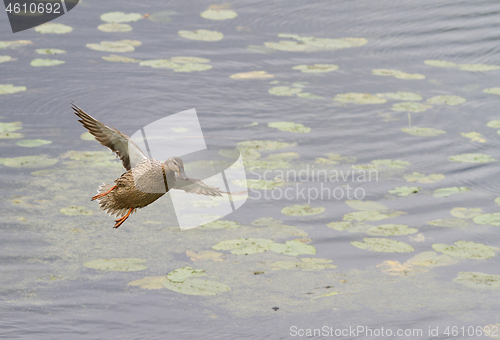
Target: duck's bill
point(182, 174)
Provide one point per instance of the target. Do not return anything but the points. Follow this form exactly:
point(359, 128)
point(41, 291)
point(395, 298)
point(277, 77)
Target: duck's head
point(176, 165)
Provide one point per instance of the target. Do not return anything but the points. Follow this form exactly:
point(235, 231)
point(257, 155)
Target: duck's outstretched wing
point(116, 141)
point(195, 186)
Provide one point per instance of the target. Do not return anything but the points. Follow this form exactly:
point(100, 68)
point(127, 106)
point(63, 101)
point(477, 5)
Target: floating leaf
point(305, 264)
point(114, 27)
point(446, 99)
point(264, 145)
point(359, 98)
point(478, 280)
point(325, 295)
point(316, 68)
point(391, 163)
point(14, 44)
point(411, 107)
point(242, 246)
point(75, 210)
point(53, 28)
point(181, 274)
point(5, 58)
point(431, 259)
point(50, 51)
point(30, 143)
point(440, 63)
point(117, 265)
point(383, 245)
point(120, 59)
point(197, 287)
point(404, 191)
point(10, 127)
point(118, 17)
point(252, 75)
point(445, 192)
point(292, 248)
point(422, 131)
point(397, 74)
point(492, 219)
point(312, 44)
point(391, 230)
point(474, 136)
point(46, 62)
point(308, 95)
point(466, 249)
point(301, 210)
point(9, 88)
point(163, 17)
point(221, 224)
point(349, 226)
point(371, 215)
point(335, 158)
point(407, 96)
point(466, 213)
point(493, 90)
point(149, 282)
point(115, 46)
point(203, 35)
point(450, 223)
point(478, 67)
point(422, 178)
point(284, 91)
point(204, 255)
point(289, 127)
point(221, 14)
point(29, 161)
point(471, 158)
point(258, 184)
point(365, 205)
point(284, 156)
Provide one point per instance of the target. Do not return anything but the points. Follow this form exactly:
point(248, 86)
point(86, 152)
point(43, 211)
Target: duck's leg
point(103, 194)
point(120, 221)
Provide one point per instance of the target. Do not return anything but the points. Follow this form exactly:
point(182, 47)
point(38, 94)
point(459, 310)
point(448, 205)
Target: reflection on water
point(329, 91)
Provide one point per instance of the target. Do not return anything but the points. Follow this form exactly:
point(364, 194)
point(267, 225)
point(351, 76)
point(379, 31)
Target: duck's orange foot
point(120, 221)
point(103, 194)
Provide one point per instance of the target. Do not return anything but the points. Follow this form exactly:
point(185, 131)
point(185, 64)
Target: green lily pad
point(46, 62)
point(365, 205)
point(289, 127)
point(493, 90)
point(189, 60)
point(242, 246)
point(397, 74)
point(182, 274)
point(473, 136)
point(312, 44)
point(5, 58)
point(391, 163)
point(149, 282)
point(284, 156)
point(422, 178)
point(478, 280)
point(316, 68)
point(11, 135)
point(440, 63)
point(335, 158)
point(50, 51)
point(117, 265)
point(450, 223)
point(115, 46)
point(466, 249)
point(252, 75)
point(30, 143)
point(203, 35)
point(494, 124)
point(120, 59)
point(305, 264)
point(163, 17)
point(472, 158)
point(446, 99)
point(264, 145)
point(10, 127)
point(9, 88)
point(119, 17)
point(197, 287)
point(265, 164)
point(478, 67)
point(371, 215)
point(406, 96)
point(14, 44)
point(258, 184)
point(445, 192)
point(29, 161)
point(114, 27)
point(308, 95)
point(221, 224)
point(423, 131)
point(466, 213)
point(75, 210)
point(179, 64)
point(301, 210)
point(391, 230)
point(492, 219)
point(431, 259)
point(349, 226)
point(292, 248)
point(411, 107)
point(404, 191)
point(284, 91)
point(359, 98)
point(53, 28)
point(221, 14)
point(383, 245)
point(87, 136)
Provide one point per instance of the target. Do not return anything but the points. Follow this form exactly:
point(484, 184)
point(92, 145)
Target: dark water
point(47, 292)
